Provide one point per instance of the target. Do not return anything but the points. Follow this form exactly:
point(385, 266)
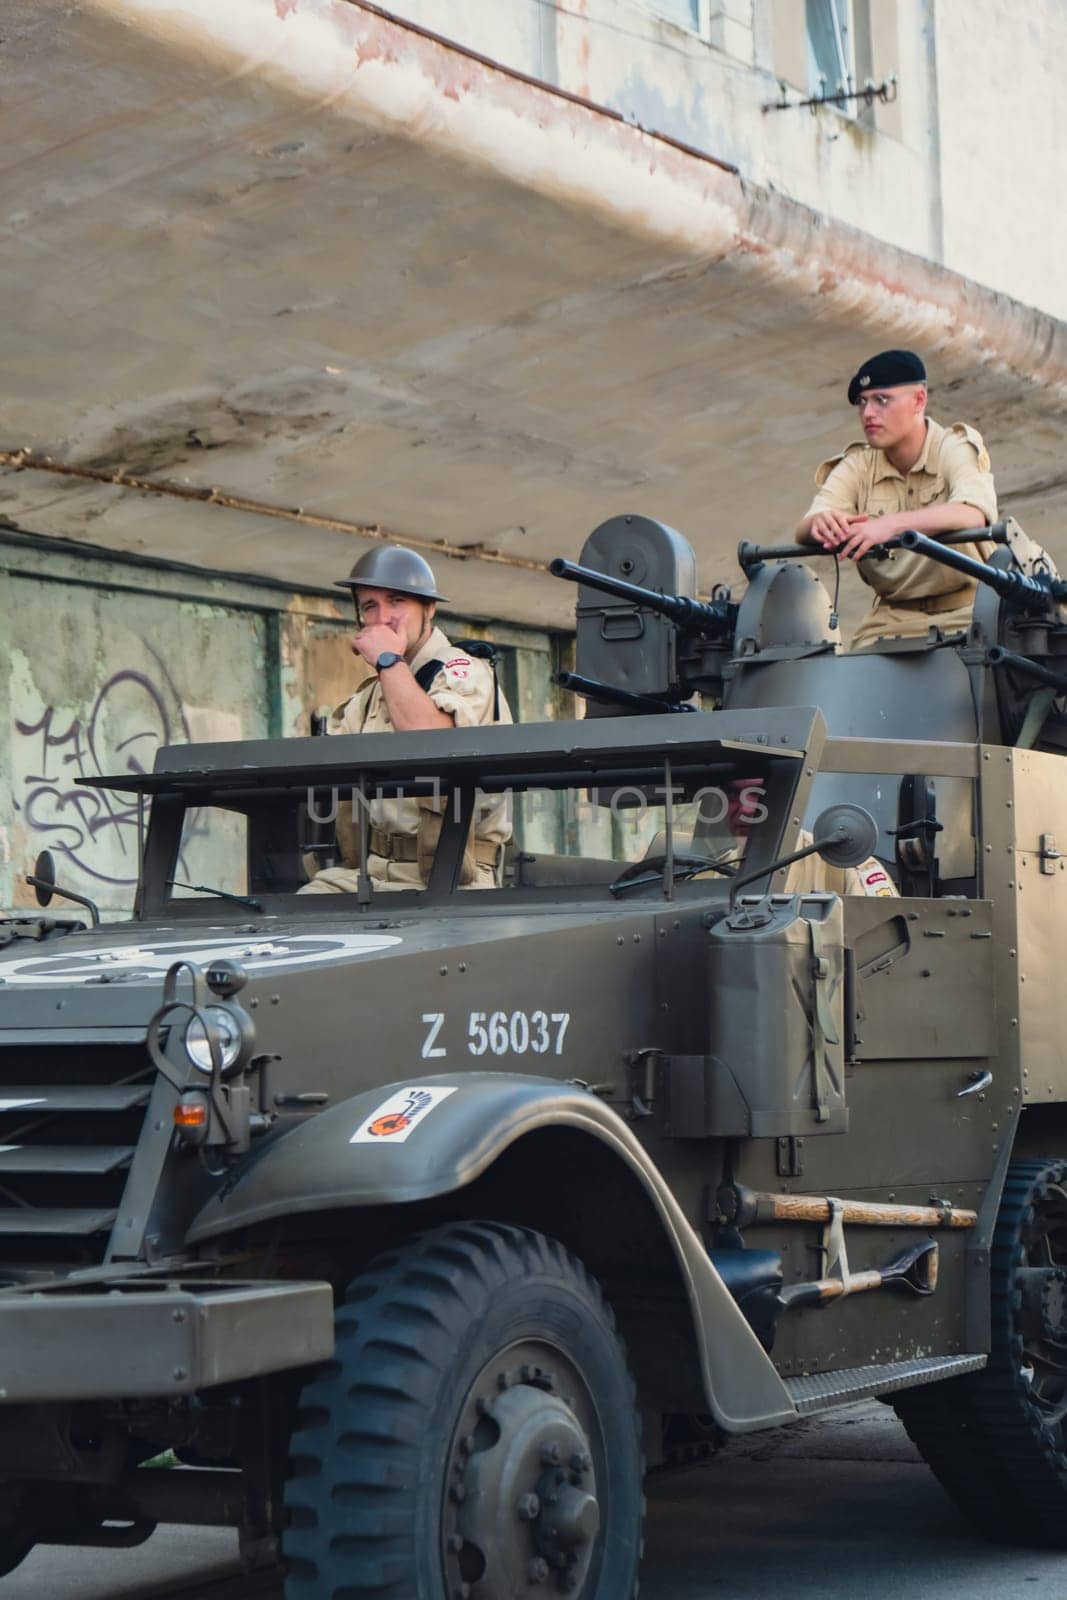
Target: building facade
point(941, 160)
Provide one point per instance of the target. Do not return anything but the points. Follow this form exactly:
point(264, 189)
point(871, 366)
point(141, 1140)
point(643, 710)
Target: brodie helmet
point(390, 566)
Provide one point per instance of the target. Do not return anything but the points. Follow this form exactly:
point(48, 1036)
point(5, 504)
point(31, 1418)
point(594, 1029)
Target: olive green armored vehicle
point(420, 1223)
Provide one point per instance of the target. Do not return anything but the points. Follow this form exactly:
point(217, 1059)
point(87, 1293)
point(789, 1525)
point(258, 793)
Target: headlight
point(197, 1047)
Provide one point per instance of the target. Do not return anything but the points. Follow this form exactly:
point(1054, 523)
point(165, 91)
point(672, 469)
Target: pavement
point(837, 1507)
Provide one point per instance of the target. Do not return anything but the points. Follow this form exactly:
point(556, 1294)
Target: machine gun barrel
point(750, 555)
point(997, 656)
point(611, 694)
point(713, 618)
point(1028, 594)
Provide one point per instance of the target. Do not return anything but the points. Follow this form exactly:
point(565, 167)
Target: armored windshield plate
point(498, 754)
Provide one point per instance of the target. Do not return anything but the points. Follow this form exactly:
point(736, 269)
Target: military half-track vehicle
point(417, 1222)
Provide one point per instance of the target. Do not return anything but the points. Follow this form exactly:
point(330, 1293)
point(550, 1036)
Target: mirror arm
point(839, 836)
point(52, 888)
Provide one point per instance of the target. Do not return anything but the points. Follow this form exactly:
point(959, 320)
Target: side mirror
point(845, 835)
point(43, 878)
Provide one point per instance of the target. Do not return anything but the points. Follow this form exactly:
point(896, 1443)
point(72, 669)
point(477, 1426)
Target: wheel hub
point(1054, 1305)
point(524, 1491)
point(1041, 1300)
point(1044, 1302)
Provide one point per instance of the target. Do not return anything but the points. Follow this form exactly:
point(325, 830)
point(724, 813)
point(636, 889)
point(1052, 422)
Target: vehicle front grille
point(70, 1119)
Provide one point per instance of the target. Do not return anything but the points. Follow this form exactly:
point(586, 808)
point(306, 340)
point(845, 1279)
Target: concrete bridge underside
point(282, 275)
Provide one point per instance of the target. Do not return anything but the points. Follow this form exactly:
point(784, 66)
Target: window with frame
point(686, 13)
point(831, 44)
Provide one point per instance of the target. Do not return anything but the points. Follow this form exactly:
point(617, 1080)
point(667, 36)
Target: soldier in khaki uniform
point(812, 875)
point(910, 473)
point(420, 681)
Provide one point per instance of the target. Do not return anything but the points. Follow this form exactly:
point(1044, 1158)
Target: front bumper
point(137, 1338)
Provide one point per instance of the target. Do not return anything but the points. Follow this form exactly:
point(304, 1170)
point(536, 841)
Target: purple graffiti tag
point(128, 721)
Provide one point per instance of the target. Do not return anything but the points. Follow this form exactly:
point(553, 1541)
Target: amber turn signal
point(191, 1117)
point(190, 1114)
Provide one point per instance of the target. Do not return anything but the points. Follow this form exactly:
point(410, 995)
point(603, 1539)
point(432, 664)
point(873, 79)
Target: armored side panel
point(920, 696)
point(619, 643)
point(775, 972)
point(785, 613)
point(1026, 876)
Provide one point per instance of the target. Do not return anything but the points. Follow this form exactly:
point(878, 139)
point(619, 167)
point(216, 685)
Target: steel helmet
point(390, 566)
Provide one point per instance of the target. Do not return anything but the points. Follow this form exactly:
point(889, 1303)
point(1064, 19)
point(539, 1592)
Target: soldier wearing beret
point(909, 472)
point(419, 681)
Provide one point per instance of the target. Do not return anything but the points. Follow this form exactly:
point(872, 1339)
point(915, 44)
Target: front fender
point(318, 1167)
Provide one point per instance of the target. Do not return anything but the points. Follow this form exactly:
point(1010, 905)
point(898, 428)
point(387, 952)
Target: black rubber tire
point(987, 1440)
point(13, 1553)
point(375, 1438)
point(20, 1523)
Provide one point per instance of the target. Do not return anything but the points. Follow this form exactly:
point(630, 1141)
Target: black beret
point(887, 370)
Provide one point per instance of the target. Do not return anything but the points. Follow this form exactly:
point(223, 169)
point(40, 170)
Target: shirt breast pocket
point(931, 492)
point(884, 498)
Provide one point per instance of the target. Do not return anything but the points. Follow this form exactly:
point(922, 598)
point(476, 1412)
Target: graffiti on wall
point(94, 680)
point(96, 830)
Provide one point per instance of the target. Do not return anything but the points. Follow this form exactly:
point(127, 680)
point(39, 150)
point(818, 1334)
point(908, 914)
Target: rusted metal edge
point(35, 461)
point(545, 87)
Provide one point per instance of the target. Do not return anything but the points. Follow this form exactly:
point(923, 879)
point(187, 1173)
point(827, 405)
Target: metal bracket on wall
point(885, 92)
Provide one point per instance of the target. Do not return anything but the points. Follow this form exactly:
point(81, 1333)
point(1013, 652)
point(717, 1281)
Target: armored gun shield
point(623, 642)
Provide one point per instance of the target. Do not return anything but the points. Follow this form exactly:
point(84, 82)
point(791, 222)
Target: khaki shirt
point(813, 875)
point(464, 688)
point(954, 466)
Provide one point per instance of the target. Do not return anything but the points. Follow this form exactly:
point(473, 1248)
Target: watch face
point(388, 658)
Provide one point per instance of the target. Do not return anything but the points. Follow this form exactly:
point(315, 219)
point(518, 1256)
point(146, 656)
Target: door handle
point(978, 1082)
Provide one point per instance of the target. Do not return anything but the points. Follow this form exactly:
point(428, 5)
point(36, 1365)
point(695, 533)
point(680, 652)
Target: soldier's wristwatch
point(388, 658)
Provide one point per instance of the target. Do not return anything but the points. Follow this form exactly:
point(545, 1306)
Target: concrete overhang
point(314, 274)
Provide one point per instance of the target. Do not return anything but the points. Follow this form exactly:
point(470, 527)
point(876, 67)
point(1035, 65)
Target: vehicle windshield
point(639, 824)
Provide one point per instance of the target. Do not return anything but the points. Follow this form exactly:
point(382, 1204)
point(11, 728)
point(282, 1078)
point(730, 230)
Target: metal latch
point(1048, 855)
point(789, 1155)
point(643, 1065)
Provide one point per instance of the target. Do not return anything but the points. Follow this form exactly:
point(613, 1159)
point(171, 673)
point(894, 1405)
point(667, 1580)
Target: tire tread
point(354, 1475)
point(978, 1434)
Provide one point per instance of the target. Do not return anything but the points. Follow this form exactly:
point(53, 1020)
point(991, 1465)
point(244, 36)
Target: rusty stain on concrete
point(23, 460)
